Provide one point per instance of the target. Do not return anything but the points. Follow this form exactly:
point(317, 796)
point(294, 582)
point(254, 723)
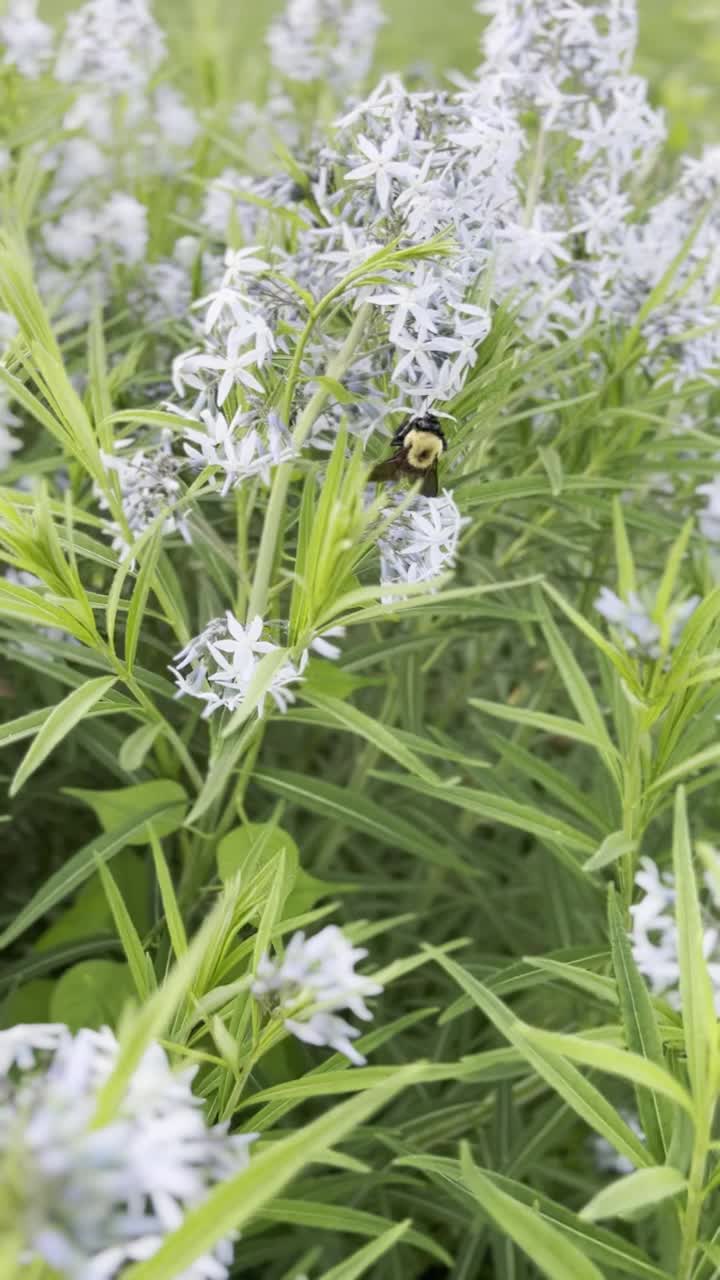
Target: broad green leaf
point(699, 1021)
point(641, 1031)
point(28, 1003)
point(548, 1248)
point(242, 1197)
point(58, 725)
point(250, 847)
point(115, 807)
point(91, 994)
point(595, 984)
point(639, 1190)
point(90, 914)
point(77, 869)
point(354, 810)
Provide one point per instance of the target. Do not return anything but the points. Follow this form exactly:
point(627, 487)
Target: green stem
point(694, 1204)
point(278, 494)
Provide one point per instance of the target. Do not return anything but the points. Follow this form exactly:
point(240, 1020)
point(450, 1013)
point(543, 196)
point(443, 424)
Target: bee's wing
point(388, 469)
point(430, 484)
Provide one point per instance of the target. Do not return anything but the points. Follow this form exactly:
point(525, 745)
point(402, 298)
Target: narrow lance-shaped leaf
point(699, 1022)
point(641, 1031)
point(60, 722)
point(550, 1251)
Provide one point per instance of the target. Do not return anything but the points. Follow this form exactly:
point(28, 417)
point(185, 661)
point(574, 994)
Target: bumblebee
point(419, 445)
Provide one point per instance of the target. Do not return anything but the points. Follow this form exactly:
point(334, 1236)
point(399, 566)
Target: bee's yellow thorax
point(423, 449)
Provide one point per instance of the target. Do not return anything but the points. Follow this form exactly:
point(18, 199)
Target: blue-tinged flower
point(89, 1200)
point(312, 982)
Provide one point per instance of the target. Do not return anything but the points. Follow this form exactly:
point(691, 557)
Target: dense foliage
point(320, 785)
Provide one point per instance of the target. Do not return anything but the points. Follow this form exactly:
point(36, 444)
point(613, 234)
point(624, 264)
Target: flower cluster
point(422, 541)
point(654, 933)
point(27, 41)
point(149, 484)
point(108, 57)
point(314, 979)
point(90, 1200)
point(641, 630)
point(328, 41)
point(222, 662)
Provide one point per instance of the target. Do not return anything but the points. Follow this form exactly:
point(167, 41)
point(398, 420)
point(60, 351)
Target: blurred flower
point(607, 1159)
point(326, 40)
point(709, 520)
point(28, 42)
point(149, 485)
point(114, 45)
point(91, 1200)
point(635, 620)
point(654, 934)
point(314, 980)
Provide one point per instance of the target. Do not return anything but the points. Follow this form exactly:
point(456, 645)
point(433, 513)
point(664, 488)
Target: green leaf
point(641, 1031)
point(249, 848)
point(696, 994)
point(136, 746)
point(339, 1218)
point(552, 463)
point(616, 845)
point(354, 810)
point(242, 1197)
point(639, 1190)
point(91, 994)
point(358, 1263)
point(603, 1246)
point(143, 583)
point(58, 725)
point(623, 552)
point(171, 906)
point(555, 725)
point(548, 1248)
point(372, 730)
point(28, 1003)
point(579, 1093)
point(223, 761)
point(336, 389)
point(77, 869)
point(498, 808)
point(116, 807)
point(607, 1057)
point(138, 962)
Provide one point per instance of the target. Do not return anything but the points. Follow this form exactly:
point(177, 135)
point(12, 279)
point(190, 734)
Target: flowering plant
point(300, 705)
